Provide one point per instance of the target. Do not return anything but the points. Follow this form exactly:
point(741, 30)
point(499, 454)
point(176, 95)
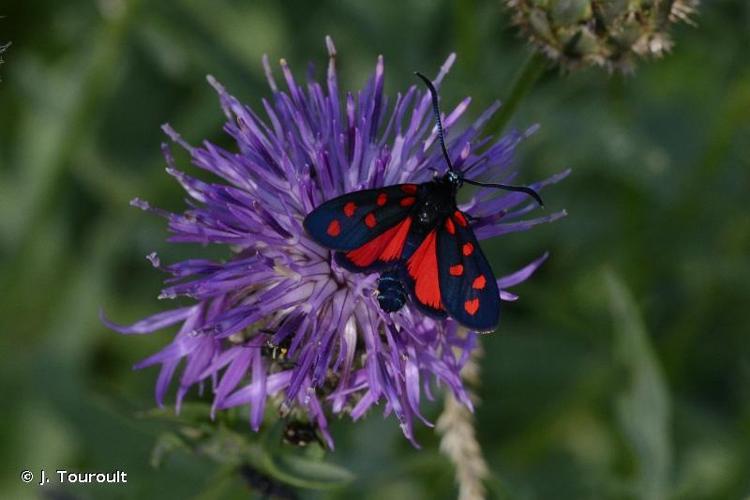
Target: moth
point(421, 242)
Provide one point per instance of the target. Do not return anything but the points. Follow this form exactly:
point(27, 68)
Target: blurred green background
point(623, 371)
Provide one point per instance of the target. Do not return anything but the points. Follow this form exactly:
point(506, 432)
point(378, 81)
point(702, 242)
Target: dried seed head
point(611, 34)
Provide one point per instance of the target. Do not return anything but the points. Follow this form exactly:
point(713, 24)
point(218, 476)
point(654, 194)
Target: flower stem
point(523, 82)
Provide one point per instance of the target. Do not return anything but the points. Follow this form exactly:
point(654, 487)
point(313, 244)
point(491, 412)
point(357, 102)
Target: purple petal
point(522, 274)
point(150, 324)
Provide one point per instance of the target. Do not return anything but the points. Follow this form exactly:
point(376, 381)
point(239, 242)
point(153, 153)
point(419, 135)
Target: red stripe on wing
point(423, 267)
point(386, 247)
point(393, 249)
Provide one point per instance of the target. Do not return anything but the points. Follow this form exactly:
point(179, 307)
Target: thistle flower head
point(278, 323)
point(611, 34)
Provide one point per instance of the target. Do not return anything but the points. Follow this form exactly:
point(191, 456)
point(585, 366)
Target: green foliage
point(629, 383)
point(225, 440)
point(643, 406)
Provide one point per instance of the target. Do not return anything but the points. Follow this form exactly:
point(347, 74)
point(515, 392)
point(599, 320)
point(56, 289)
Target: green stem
point(523, 82)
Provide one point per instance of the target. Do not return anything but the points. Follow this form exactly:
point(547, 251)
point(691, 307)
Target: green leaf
point(191, 412)
point(643, 408)
point(165, 445)
point(304, 472)
point(224, 445)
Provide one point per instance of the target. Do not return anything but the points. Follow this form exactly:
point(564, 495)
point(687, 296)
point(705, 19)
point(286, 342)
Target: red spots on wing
point(471, 306)
point(479, 282)
point(409, 188)
point(407, 202)
point(382, 199)
point(423, 268)
point(370, 220)
point(386, 247)
point(334, 228)
point(456, 270)
point(460, 218)
point(467, 249)
point(449, 226)
point(350, 208)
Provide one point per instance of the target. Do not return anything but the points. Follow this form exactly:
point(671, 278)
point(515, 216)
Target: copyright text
point(63, 476)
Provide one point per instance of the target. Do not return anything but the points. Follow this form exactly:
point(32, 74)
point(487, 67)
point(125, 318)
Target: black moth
point(416, 236)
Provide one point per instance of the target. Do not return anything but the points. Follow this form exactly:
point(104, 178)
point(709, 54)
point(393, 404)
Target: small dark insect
point(278, 353)
point(301, 433)
point(419, 237)
point(391, 291)
point(274, 351)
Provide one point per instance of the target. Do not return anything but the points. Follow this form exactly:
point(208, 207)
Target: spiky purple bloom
point(279, 287)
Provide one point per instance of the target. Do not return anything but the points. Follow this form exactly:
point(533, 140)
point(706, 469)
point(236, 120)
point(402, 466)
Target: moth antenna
point(518, 189)
point(436, 111)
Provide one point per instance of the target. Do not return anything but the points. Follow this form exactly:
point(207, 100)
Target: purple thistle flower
point(278, 287)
